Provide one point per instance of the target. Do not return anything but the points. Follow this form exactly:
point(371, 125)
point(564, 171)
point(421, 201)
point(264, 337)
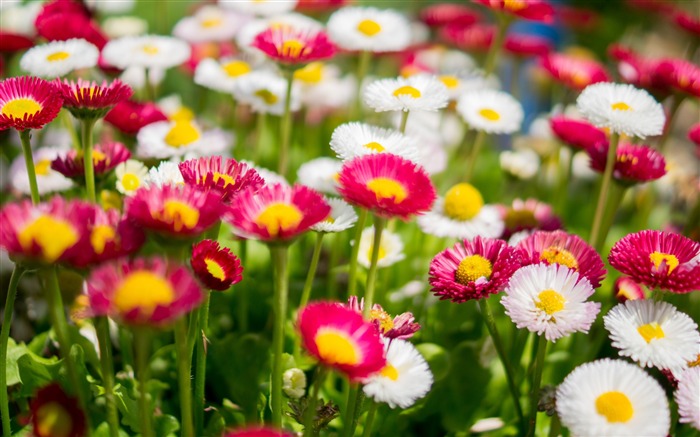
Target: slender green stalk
point(404, 121)
point(25, 136)
point(536, 381)
point(67, 120)
point(693, 218)
point(352, 272)
point(555, 426)
point(676, 102)
point(336, 248)
point(597, 239)
point(102, 329)
point(351, 407)
point(503, 24)
point(150, 88)
point(370, 419)
point(379, 225)
point(310, 413)
point(260, 126)
point(4, 339)
point(279, 260)
point(184, 364)
point(86, 133)
point(306, 293)
point(242, 292)
point(562, 189)
point(474, 154)
point(142, 345)
point(615, 196)
point(362, 68)
point(200, 369)
point(286, 127)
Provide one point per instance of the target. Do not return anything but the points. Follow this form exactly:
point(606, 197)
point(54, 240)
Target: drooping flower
point(28, 103)
point(369, 29)
point(217, 267)
point(291, 46)
point(227, 176)
point(416, 93)
point(536, 10)
point(528, 215)
point(105, 157)
point(351, 140)
point(146, 51)
point(626, 288)
point(130, 116)
point(578, 134)
point(390, 248)
point(687, 397)
point(90, 100)
point(341, 218)
point(574, 72)
point(634, 164)
point(491, 111)
point(59, 58)
point(54, 413)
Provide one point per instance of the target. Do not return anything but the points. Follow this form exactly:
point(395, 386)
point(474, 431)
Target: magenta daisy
point(117, 290)
point(276, 212)
point(473, 269)
point(288, 45)
point(574, 72)
point(634, 164)
point(680, 75)
point(90, 100)
point(387, 185)
point(578, 134)
point(105, 157)
point(340, 338)
point(528, 215)
point(536, 10)
point(217, 267)
point(627, 288)
point(224, 175)
point(27, 103)
point(129, 116)
point(659, 260)
point(402, 326)
point(558, 247)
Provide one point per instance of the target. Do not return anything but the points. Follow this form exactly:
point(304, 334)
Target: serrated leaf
point(36, 372)
point(14, 352)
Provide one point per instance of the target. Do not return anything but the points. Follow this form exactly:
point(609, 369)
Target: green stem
point(184, 364)
point(242, 291)
point(615, 196)
point(379, 225)
point(676, 102)
point(142, 345)
point(370, 419)
point(86, 133)
point(102, 329)
point(67, 120)
point(536, 381)
point(404, 121)
point(306, 293)
point(260, 126)
point(490, 64)
point(4, 339)
point(150, 89)
point(286, 127)
point(349, 419)
point(362, 68)
point(498, 343)
point(597, 238)
point(352, 272)
point(564, 176)
point(555, 426)
point(693, 218)
point(200, 370)
point(336, 248)
point(310, 413)
point(474, 154)
point(25, 135)
point(279, 259)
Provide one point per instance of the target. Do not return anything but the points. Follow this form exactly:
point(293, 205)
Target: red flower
point(85, 99)
point(28, 103)
point(129, 116)
point(319, 5)
point(65, 19)
point(687, 22)
point(292, 46)
point(528, 215)
point(638, 71)
point(634, 164)
point(574, 72)
point(441, 14)
point(694, 134)
point(217, 267)
point(576, 18)
point(227, 177)
point(54, 413)
point(520, 44)
point(477, 37)
point(578, 134)
point(680, 75)
point(537, 10)
point(258, 432)
point(14, 42)
point(104, 158)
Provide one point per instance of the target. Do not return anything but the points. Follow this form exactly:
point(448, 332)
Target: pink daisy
point(55, 413)
point(528, 215)
point(525, 45)
point(90, 100)
point(227, 177)
point(63, 20)
point(578, 134)
point(694, 134)
point(387, 185)
point(442, 14)
point(402, 326)
point(627, 288)
point(634, 164)
point(27, 103)
point(129, 116)
point(681, 76)
point(293, 46)
point(473, 269)
point(659, 260)
point(536, 10)
point(105, 157)
point(639, 71)
point(687, 22)
point(477, 37)
point(576, 73)
point(217, 267)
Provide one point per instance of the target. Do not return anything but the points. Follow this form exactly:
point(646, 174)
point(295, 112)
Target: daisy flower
point(462, 214)
point(292, 20)
point(209, 23)
point(536, 10)
point(522, 164)
point(260, 8)
point(574, 72)
point(129, 116)
point(405, 378)
point(400, 327)
point(167, 173)
point(634, 164)
point(658, 259)
point(491, 111)
point(105, 157)
point(90, 100)
point(416, 93)
point(55, 413)
point(340, 338)
point(622, 108)
point(680, 75)
point(28, 103)
point(270, 177)
point(265, 92)
point(550, 300)
point(473, 269)
point(217, 267)
point(687, 397)
point(341, 218)
point(687, 22)
point(58, 58)
point(276, 212)
point(525, 45)
point(612, 398)
point(626, 288)
point(528, 215)
point(221, 75)
point(390, 248)
point(574, 133)
point(146, 51)
point(369, 29)
point(169, 139)
point(569, 250)
point(475, 38)
point(117, 289)
point(387, 185)
point(351, 140)
point(321, 174)
point(48, 180)
point(227, 177)
point(653, 334)
point(131, 175)
point(441, 14)
point(293, 46)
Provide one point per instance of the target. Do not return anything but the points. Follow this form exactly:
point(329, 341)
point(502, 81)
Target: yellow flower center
point(407, 90)
point(472, 268)
point(279, 217)
point(292, 48)
point(463, 202)
point(490, 114)
point(183, 114)
point(150, 49)
point(369, 27)
point(52, 419)
point(100, 236)
point(267, 96)
point(228, 180)
point(130, 181)
point(182, 134)
point(312, 73)
point(514, 5)
point(380, 255)
point(620, 106)
point(557, 255)
point(516, 218)
point(651, 331)
point(53, 236)
point(386, 323)
point(98, 157)
point(385, 188)
point(215, 269)
point(179, 214)
point(42, 167)
point(614, 406)
point(335, 347)
point(19, 108)
point(449, 81)
point(550, 302)
point(390, 372)
point(211, 22)
point(375, 146)
point(58, 56)
point(143, 290)
point(671, 261)
point(236, 68)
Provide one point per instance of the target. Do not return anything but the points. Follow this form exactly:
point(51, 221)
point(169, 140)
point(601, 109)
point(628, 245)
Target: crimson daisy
point(687, 22)
point(54, 413)
point(536, 10)
point(288, 45)
point(225, 176)
point(129, 116)
point(442, 14)
point(473, 269)
point(659, 260)
point(528, 215)
point(63, 20)
point(90, 100)
point(105, 157)
point(477, 37)
point(574, 72)
point(387, 185)
point(525, 45)
point(634, 164)
point(217, 267)
point(680, 75)
point(639, 71)
point(578, 134)
point(28, 103)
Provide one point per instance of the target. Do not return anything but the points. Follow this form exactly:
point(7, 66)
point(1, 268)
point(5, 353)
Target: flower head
point(574, 133)
point(525, 45)
point(341, 218)
point(59, 58)
point(217, 267)
point(131, 175)
point(180, 137)
point(225, 176)
point(221, 75)
point(258, 432)
point(528, 215)
point(369, 29)
point(491, 111)
point(688, 397)
point(130, 116)
point(680, 75)
point(321, 174)
point(146, 51)
point(265, 92)
point(210, 23)
point(400, 327)
point(416, 93)
point(54, 413)
point(64, 20)
point(687, 22)
point(574, 72)
point(28, 103)
point(290, 46)
point(260, 8)
point(441, 14)
point(475, 38)
point(633, 165)
point(627, 288)
point(48, 180)
point(90, 100)
point(537, 10)
point(351, 140)
point(105, 157)
point(390, 248)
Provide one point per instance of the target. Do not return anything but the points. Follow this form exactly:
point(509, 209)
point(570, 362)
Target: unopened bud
point(294, 383)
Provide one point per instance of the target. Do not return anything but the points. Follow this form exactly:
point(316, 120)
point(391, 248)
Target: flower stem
point(336, 248)
point(490, 64)
point(184, 364)
point(676, 102)
point(306, 293)
point(564, 177)
point(362, 68)
point(279, 259)
point(142, 340)
point(404, 121)
point(379, 225)
point(25, 135)
point(597, 238)
point(102, 328)
point(349, 420)
point(286, 127)
point(200, 369)
point(370, 419)
point(536, 380)
point(310, 412)
point(260, 126)
point(86, 134)
point(352, 272)
point(510, 376)
point(474, 154)
point(4, 339)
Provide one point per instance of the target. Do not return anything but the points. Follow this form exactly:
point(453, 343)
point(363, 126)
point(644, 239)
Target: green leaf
point(14, 352)
point(38, 343)
point(166, 425)
point(36, 372)
point(103, 431)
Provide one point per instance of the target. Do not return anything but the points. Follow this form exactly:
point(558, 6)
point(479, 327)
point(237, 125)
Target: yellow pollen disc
point(463, 202)
point(472, 268)
point(215, 269)
point(292, 48)
point(557, 255)
point(312, 73)
point(375, 146)
point(335, 347)
point(143, 290)
point(580, 79)
point(407, 90)
point(100, 236)
point(98, 156)
point(385, 188)
point(386, 323)
point(182, 134)
point(490, 114)
point(236, 68)
point(53, 236)
point(211, 22)
point(651, 331)
point(279, 217)
point(330, 220)
point(228, 180)
point(669, 260)
point(620, 106)
point(43, 167)
point(380, 255)
point(514, 5)
point(369, 27)
point(52, 419)
point(390, 372)
point(183, 113)
point(57, 56)
point(520, 218)
point(550, 302)
point(614, 406)
point(130, 182)
point(150, 49)
point(178, 214)
point(694, 363)
point(19, 108)
point(449, 81)
point(267, 96)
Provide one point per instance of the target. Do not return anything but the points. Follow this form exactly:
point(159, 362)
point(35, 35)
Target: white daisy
point(246, 35)
point(688, 397)
point(135, 76)
point(390, 248)
point(351, 140)
point(58, 58)
point(262, 8)
point(174, 109)
point(118, 27)
point(441, 128)
point(342, 217)
point(167, 173)
point(420, 92)
point(550, 299)
point(19, 18)
point(405, 378)
point(622, 108)
point(612, 398)
point(131, 175)
point(111, 7)
point(581, 167)
point(653, 334)
point(265, 92)
point(180, 138)
point(209, 23)
point(321, 174)
point(443, 60)
point(369, 29)
point(494, 112)
point(523, 164)
point(221, 75)
point(146, 51)
point(270, 177)
point(461, 214)
point(322, 87)
point(48, 180)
